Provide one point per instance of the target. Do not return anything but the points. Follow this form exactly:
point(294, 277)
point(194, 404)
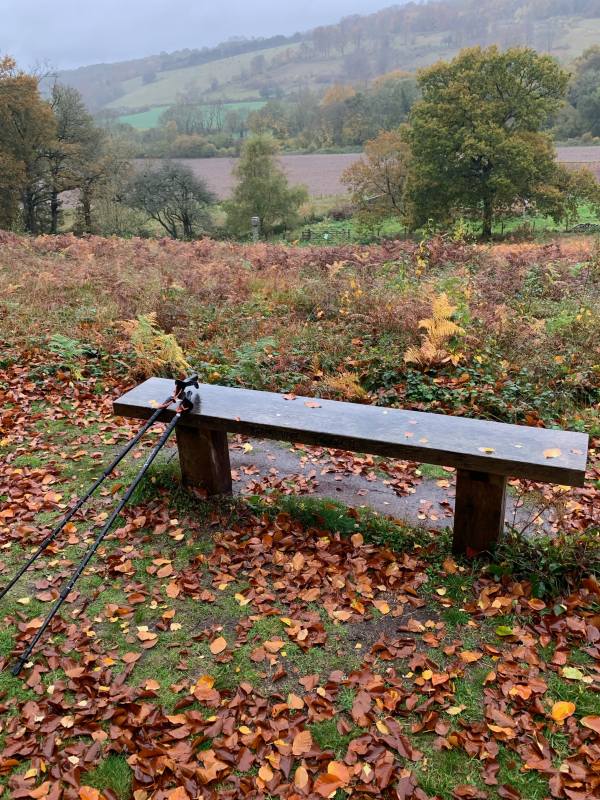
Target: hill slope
point(358, 48)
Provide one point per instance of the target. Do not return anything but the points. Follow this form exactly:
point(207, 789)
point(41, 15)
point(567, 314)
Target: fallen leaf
point(218, 645)
point(562, 710)
point(552, 452)
point(302, 743)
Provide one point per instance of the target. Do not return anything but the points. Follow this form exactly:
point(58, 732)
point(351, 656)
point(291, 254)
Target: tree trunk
point(54, 209)
point(86, 208)
point(29, 217)
point(488, 213)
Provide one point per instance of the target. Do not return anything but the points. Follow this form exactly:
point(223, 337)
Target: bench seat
point(484, 453)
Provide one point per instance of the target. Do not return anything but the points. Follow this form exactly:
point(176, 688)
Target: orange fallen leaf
point(469, 656)
point(301, 778)
point(327, 785)
point(382, 606)
point(173, 590)
point(562, 710)
point(295, 702)
point(273, 645)
point(218, 646)
point(302, 743)
point(88, 793)
point(592, 722)
point(178, 794)
point(131, 658)
point(552, 452)
point(341, 771)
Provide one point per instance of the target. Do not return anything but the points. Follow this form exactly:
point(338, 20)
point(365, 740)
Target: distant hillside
point(358, 48)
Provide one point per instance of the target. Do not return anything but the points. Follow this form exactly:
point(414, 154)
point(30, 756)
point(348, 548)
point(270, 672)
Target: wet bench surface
point(484, 453)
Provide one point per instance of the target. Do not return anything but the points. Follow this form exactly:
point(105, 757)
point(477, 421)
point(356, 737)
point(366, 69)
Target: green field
point(168, 84)
point(144, 120)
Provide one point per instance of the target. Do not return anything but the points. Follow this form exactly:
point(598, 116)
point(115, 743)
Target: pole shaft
point(96, 544)
point(82, 500)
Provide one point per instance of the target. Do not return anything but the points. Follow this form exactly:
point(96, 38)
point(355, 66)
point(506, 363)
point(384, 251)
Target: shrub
point(157, 352)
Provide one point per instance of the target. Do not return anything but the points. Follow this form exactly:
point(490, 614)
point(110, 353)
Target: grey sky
point(70, 33)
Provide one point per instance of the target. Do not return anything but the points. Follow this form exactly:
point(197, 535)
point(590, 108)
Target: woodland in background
point(475, 147)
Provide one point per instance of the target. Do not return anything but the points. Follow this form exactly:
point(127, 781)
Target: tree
point(174, 197)
point(26, 127)
point(573, 188)
point(584, 92)
point(102, 173)
point(74, 145)
point(476, 137)
point(379, 182)
point(262, 190)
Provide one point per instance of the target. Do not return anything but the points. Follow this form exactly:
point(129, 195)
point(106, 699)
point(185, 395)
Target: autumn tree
point(27, 126)
point(175, 198)
point(584, 92)
point(378, 182)
point(73, 148)
point(476, 133)
point(571, 189)
point(262, 190)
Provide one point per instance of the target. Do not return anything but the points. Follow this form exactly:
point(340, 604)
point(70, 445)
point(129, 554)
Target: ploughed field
point(321, 173)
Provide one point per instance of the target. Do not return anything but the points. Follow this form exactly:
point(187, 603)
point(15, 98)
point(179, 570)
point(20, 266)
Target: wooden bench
point(484, 453)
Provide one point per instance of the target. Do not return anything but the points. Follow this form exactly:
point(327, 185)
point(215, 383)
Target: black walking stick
point(70, 514)
point(96, 544)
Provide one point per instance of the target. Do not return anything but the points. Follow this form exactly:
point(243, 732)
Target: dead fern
point(345, 385)
point(157, 353)
point(439, 330)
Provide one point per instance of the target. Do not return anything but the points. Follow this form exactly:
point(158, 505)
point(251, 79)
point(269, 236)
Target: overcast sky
point(70, 33)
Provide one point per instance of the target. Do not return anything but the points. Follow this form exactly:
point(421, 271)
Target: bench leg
point(479, 511)
point(204, 459)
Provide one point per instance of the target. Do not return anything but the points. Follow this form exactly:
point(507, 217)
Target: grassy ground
point(283, 647)
point(337, 231)
point(144, 120)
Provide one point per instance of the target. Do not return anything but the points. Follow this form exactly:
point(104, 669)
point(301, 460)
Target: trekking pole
point(70, 514)
point(96, 544)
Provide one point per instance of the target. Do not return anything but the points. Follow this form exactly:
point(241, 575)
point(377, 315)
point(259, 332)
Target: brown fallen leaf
point(592, 722)
point(218, 645)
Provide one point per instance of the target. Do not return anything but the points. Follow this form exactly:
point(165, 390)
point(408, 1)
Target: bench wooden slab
point(483, 453)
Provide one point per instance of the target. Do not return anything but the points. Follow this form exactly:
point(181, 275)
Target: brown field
point(321, 174)
point(577, 157)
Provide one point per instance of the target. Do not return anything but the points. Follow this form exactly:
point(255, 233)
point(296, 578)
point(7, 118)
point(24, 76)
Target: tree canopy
point(378, 182)
point(476, 133)
point(262, 190)
point(174, 197)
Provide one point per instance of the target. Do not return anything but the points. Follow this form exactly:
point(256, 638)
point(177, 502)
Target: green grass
point(326, 735)
point(164, 90)
point(113, 773)
point(145, 120)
